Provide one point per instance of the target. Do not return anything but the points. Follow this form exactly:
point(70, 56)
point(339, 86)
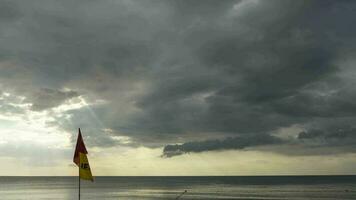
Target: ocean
point(149, 188)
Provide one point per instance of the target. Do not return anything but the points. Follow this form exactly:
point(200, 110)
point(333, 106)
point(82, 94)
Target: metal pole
point(79, 182)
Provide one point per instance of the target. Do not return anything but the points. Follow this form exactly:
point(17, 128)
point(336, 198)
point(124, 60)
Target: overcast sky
point(163, 87)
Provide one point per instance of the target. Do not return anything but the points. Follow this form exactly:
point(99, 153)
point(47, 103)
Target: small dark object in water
point(185, 191)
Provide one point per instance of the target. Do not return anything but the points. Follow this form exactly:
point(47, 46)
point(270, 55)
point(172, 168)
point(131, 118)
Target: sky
point(163, 87)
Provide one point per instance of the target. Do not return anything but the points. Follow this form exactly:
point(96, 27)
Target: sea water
point(145, 188)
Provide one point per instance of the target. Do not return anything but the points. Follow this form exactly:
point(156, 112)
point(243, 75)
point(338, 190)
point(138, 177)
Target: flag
point(84, 168)
point(81, 160)
point(80, 147)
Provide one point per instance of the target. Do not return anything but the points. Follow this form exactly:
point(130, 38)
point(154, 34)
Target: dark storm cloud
point(240, 142)
point(9, 11)
point(252, 68)
point(170, 69)
point(60, 41)
point(48, 98)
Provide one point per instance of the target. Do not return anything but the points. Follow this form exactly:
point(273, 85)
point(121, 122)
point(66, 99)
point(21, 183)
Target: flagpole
point(81, 160)
point(79, 182)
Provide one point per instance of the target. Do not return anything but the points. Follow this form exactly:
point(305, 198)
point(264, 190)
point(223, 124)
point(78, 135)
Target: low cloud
point(336, 136)
point(239, 142)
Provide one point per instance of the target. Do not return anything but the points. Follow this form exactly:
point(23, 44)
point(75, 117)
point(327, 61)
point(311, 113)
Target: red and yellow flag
point(81, 160)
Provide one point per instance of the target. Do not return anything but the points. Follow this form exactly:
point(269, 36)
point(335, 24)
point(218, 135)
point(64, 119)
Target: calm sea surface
point(262, 187)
